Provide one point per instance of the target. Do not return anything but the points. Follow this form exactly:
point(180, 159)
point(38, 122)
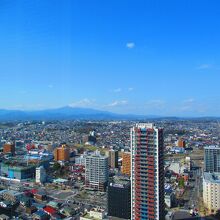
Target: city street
point(196, 191)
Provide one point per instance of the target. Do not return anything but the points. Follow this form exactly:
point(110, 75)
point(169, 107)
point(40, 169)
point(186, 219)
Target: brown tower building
point(181, 143)
point(9, 148)
point(113, 159)
point(126, 163)
point(62, 153)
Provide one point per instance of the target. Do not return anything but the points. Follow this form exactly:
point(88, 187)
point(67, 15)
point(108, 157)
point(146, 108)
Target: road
point(196, 191)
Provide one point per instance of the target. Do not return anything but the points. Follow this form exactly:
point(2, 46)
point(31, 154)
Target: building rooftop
point(90, 215)
point(17, 164)
point(120, 181)
point(97, 154)
point(3, 216)
point(40, 213)
point(212, 177)
point(212, 147)
point(145, 125)
point(59, 180)
point(87, 215)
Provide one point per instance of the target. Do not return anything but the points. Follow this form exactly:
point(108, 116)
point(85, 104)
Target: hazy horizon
point(100, 111)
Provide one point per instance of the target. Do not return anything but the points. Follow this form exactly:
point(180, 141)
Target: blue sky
point(126, 56)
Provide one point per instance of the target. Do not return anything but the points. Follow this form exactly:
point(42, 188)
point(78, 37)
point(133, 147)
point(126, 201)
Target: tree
point(56, 166)
point(181, 182)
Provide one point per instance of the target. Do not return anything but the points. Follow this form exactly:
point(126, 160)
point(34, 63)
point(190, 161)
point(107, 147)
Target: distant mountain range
point(70, 113)
point(64, 113)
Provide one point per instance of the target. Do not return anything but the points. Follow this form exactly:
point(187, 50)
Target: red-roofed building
point(34, 191)
point(49, 210)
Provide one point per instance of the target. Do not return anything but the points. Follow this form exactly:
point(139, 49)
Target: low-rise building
point(94, 214)
point(12, 196)
point(21, 168)
point(4, 217)
point(40, 215)
point(17, 170)
point(30, 210)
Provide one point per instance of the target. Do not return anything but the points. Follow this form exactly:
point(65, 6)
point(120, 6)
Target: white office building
point(96, 171)
point(41, 175)
point(211, 190)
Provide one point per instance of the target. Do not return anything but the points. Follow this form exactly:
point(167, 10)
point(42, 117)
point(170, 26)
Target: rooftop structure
point(94, 214)
point(212, 177)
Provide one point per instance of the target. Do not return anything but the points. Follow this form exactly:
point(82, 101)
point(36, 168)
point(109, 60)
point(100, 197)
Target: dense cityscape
point(162, 169)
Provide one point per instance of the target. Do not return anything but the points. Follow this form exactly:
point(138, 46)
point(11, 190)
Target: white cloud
point(118, 103)
point(83, 103)
point(117, 90)
point(130, 89)
point(188, 105)
point(204, 66)
point(189, 101)
point(130, 45)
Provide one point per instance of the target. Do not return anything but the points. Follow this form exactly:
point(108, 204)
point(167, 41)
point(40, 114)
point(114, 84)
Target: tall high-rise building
point(113, 158)
point(126, 163)
point(212, 159)
point(62, 153)
point(119, 197)
point(147, 173)
point(96, 171)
